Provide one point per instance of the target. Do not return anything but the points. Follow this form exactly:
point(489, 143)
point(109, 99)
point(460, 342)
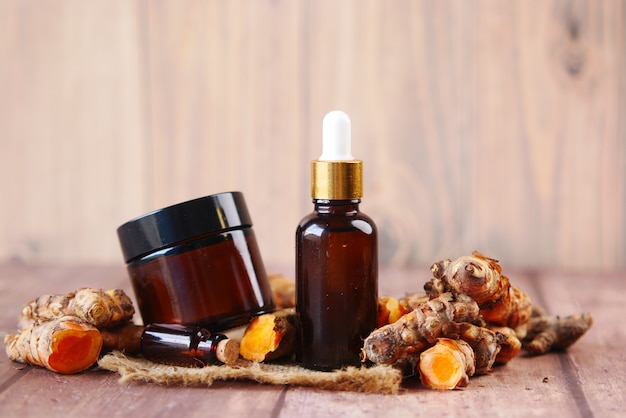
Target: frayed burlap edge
point(377, 379)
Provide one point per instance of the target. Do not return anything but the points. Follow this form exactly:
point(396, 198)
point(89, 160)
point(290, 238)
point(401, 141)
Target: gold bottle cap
point(337, 180)
point(336, 175)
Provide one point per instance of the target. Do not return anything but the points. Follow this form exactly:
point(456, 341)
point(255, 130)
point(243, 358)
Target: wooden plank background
point(483, 124)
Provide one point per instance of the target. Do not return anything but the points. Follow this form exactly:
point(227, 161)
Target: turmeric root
point(484, 342)
point(411, 301)
point(389, 310)
point(64, 345)
point(447, 365)
point(478, 282)
point(420, 328)
point(269, 336)
point(547, 332)
point(481, 278)
point(510, 345)
point(60, 332)
point(501, 342)
point(283, 291)
point(100, 308)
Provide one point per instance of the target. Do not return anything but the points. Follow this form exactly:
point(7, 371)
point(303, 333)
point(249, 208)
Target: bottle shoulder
point(357, 221)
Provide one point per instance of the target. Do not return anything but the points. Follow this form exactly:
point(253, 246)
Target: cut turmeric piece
point(64, 345)
point(447, 365)
point(269, 336)
point(389, 310)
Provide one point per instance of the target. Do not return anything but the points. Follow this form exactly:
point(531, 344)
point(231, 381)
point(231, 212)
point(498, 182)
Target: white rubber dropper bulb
point(336, 137)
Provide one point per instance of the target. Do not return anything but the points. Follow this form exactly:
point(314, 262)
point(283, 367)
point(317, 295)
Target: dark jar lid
point(181, 222)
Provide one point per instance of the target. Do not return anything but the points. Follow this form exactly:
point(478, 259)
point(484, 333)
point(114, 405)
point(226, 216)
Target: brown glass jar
point(197, 263)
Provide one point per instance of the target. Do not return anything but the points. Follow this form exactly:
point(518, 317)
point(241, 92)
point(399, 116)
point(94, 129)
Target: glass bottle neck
point(336, 206)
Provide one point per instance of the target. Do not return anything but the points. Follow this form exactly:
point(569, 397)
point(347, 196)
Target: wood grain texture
point(487, 125)
point(588, 380)
point(71, 128)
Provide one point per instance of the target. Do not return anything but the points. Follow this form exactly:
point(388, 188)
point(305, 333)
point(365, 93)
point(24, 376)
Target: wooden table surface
point(588, 380)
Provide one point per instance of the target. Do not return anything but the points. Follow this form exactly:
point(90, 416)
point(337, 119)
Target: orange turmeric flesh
point(260, 339)
point(269, 336)
point(64, 345)
point(447, 365)
point(74, 350)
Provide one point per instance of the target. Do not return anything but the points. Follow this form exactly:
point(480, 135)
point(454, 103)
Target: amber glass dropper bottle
point(173, 344)
point(336, 257)
point(189, 346)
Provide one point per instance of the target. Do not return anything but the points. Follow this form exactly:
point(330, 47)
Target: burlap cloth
point(376, 379)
